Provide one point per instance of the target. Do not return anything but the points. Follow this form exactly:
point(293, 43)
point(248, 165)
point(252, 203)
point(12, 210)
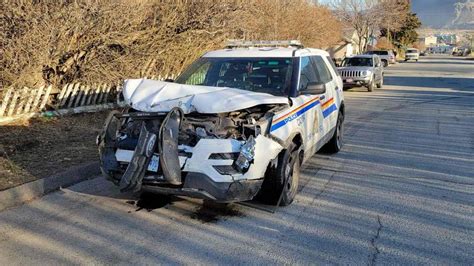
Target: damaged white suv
point(237, 124)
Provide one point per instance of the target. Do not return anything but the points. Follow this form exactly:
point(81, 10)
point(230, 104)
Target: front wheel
point(282, 181)
point(371, 86)
point(380, 84)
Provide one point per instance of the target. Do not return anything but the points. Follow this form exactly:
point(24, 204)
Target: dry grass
point(44, 146)
point(104, 41)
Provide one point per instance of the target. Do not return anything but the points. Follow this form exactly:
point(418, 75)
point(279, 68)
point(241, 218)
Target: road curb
point(18, 195)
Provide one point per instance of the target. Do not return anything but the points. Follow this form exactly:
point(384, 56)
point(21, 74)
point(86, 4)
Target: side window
point(324, 73)
point(331, 62)
point(308, 73)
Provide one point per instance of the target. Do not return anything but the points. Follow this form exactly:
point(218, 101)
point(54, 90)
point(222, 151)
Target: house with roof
point(347, 46)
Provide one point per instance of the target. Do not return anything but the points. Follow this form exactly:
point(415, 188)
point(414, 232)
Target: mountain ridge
point(439, 14)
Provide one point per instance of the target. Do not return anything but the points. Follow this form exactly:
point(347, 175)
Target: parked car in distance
point(362, 70)
point(236, 124)
point(412, 54)
point(386, 56)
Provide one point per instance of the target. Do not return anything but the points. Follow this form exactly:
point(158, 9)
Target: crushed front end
point(221, 157)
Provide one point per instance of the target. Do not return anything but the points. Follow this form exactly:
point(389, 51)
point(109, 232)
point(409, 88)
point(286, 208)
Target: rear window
point(412, 51)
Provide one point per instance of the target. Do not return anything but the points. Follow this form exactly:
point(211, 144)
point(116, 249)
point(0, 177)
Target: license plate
point(154, 163)
point(349, 80)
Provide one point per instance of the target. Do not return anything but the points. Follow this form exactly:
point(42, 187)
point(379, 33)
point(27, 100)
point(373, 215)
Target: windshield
point(357, 61)
point(378, 52)
point(412, 51)
point(268, 75)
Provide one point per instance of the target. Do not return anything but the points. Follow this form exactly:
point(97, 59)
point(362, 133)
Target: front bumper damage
point(206, 169)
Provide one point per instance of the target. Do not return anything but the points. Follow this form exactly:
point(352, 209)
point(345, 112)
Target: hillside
point(453, 14)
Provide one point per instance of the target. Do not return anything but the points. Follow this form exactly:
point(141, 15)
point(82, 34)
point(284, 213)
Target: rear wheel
point(283, 180)
point(335, 144)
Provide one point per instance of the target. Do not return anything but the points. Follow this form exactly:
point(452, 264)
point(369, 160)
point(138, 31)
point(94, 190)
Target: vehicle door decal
point(295, 113)
point(328, 107)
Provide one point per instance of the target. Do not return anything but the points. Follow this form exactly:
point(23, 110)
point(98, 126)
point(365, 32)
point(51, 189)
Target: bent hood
point(158, 96)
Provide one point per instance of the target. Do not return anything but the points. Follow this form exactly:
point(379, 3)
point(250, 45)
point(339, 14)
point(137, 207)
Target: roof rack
point(241, 43)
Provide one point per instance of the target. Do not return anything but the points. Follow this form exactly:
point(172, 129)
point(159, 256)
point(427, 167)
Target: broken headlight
point(246, 155)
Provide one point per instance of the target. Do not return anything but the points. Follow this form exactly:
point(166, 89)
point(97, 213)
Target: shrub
point(104, 41)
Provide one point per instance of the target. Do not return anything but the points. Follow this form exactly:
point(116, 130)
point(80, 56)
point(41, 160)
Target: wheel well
point(342, 109)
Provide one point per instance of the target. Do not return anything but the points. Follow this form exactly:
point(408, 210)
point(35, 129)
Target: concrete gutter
point(21, 194)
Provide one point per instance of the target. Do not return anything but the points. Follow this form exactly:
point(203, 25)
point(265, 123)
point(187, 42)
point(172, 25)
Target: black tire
point(337, 141)
point(380, 84)
point(371, 86)
point(283, 180)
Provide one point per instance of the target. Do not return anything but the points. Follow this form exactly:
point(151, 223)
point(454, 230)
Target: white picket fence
point(71, 98)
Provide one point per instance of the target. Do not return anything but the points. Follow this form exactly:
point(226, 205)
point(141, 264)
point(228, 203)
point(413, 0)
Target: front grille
point(351, 73)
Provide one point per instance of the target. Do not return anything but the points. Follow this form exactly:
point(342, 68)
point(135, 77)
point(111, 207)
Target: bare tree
point(368, 17)
point(360, 15)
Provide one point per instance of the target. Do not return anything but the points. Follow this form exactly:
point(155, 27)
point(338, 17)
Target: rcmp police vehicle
point(237, 124)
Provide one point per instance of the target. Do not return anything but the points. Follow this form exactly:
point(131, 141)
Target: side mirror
point(314, 88)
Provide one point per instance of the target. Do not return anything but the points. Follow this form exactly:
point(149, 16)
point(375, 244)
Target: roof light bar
point(240, 43)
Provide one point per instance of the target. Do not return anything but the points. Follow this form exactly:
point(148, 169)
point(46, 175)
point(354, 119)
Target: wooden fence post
point(13, 103)
point(79, 95)
point(6, 100)
point(36, 102)
point(23, 99)
point(96, 94)
point(73, 95)
point(31, 98)
point(106, 94)
point(64, 95)
point(45, 98)
point(85, 95)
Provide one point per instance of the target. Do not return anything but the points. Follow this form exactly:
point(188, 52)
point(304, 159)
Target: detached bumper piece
point(132, 178)
point(148, 140)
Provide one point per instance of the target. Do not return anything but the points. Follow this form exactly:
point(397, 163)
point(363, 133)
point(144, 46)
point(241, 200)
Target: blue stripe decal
point(329, 110)
point(293, 116)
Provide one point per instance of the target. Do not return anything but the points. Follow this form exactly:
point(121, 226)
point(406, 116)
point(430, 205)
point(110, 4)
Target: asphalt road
point(400, 192)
